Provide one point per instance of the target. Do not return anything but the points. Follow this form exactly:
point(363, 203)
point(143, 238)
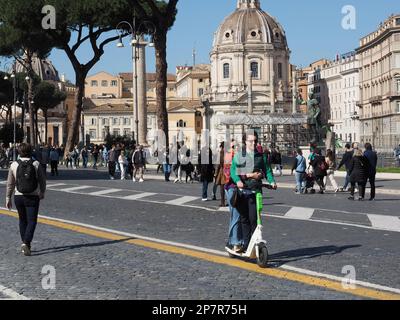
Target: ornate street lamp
point(137, 33)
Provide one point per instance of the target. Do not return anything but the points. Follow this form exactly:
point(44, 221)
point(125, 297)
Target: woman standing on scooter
point(248, 169)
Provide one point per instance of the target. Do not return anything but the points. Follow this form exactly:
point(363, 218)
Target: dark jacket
point(359, 169)
point(206, 169)
point(139, 158)
point(372, 158)
point(316, 164)
point(346, 160)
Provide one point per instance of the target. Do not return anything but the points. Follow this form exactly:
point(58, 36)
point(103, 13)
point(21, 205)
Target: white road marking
point(385, 222)
point(222, 253)
point(182, 200)
point(104, 192)
point(139, 196)
point(304, 215)
point(74, 189)
point(56, 185)
point(300, 213)
point(11, 294)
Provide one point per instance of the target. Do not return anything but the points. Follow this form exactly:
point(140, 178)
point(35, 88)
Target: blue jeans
point(235, 227)
point(205, 189)
point(300, 182)
point(167, 171)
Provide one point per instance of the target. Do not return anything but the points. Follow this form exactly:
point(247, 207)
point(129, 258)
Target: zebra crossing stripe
point(56, 185)
point(182, 200)
point(300, 213)
point(138, 196)
point(75, 189)
point(104, 192)
point(385, 222)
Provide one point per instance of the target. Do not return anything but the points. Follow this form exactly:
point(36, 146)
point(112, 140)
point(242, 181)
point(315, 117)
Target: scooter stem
point(259, 203)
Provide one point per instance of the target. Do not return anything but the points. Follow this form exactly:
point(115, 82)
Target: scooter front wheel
point(262, 259)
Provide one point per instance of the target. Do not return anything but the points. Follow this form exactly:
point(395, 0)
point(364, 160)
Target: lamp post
point(14, 77)
point(137, 34)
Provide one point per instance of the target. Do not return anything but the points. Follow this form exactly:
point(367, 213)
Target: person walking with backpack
point(372, 158)
point(27, 180)
point(300, 166)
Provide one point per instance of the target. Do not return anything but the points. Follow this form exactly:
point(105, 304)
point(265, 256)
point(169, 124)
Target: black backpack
point(27, 181)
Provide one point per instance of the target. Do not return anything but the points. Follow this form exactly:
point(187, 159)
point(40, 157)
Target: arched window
point(254, 69)
point(226, 71)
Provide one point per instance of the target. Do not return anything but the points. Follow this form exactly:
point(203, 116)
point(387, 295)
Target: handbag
point(235, 200)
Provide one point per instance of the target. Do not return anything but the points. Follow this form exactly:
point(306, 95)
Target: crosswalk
point(371, 221)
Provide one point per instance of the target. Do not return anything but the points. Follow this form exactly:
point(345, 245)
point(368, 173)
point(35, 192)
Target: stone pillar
point(142, 93)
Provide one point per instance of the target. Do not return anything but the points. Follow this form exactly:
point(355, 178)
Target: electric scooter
point(257, 248)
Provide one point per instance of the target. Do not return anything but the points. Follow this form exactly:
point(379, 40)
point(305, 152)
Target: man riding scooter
point(248, 169)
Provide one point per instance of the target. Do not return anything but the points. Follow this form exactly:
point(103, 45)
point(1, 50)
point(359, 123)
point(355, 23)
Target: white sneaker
point(134, 180)
point(204, 199)
point(141, 180)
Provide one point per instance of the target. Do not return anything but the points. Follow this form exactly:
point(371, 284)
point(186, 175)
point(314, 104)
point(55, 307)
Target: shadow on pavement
point(278, 259)
point(78, 246)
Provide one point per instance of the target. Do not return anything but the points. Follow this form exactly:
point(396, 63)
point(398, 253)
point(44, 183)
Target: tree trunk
point(160, 41)
point(32, 134)
point(45, 124)
point(73, 132)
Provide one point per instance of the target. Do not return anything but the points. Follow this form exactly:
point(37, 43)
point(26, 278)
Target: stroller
point(310, 181)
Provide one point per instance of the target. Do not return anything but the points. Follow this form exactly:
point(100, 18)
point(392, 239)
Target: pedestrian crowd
point(360, 168)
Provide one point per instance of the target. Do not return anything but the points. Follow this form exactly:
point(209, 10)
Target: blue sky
point(314, 30)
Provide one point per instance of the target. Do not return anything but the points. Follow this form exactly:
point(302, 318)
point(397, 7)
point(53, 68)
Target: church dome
point(43, 68)
point(250, 25)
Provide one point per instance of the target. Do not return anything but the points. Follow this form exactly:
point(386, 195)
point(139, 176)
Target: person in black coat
point(372, 158)
point(207, 170)
point(359, 170)
point(320, 169)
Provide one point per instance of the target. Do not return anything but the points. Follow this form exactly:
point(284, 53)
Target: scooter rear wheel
point(262, 259)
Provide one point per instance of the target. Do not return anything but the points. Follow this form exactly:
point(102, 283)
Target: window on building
point(201, 92)
point(114, 83)
point(94, 83)
point(115, 121)
point(397, 21)
point(127, 121)
point(396, 60)
point(93, 121)
point(104, 83)
point(116, 132)
point(398, 107)
point(200, 80)
point(226, 71)
point(254, 69)
point(398, 85)
point(279, 70)
point(92, 134)
point(181, 124)
point(127, 132)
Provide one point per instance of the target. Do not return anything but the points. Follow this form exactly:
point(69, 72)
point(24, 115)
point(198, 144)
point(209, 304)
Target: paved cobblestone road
point(89, 267)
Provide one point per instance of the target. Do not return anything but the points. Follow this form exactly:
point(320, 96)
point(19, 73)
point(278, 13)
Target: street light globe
point(5, 77)
point(27, 78)
point(134, 42)
point(151, 44)
point(120, 45)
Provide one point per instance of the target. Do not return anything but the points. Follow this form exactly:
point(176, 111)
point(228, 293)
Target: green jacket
point(260, 163)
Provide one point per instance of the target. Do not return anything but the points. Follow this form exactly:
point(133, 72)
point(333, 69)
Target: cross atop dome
point(244, 4)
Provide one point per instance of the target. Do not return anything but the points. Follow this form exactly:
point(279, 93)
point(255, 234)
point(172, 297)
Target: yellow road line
point(276, 273)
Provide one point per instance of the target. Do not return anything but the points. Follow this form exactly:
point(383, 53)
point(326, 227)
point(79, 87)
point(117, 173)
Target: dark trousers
point(28, 210)
point(248, 215)
point(361, 188)
point(54, 167)
point(371, 180)
point(111, 168)
point(205, 189)
point(320, 182)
